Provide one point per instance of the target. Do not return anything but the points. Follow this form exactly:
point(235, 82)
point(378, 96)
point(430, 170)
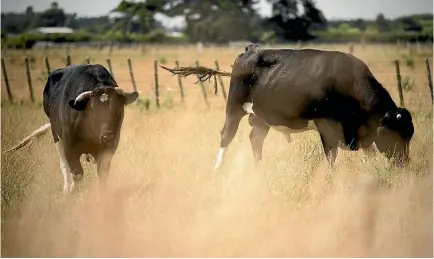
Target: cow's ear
point(78, 105)
point(130, 97)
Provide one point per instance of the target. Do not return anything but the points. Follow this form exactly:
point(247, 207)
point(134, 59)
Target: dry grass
point(164, 200)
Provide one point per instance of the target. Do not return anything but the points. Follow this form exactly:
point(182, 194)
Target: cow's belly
point(284, 126)
point(287, 130)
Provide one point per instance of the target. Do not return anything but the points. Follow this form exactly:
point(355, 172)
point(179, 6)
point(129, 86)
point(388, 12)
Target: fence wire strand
point(411, 79)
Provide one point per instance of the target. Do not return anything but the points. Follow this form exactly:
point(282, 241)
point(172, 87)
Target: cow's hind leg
point(257, 136)
point(233, 118)
point(331, 133)
point(64, 167)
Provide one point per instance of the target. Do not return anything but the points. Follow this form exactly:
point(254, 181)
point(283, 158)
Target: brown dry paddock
point(164, 200)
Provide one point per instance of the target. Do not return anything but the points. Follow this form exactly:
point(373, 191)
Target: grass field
point(164, 200)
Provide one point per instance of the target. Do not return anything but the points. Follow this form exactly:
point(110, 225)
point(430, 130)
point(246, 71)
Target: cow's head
point(394, 134)
point(104, 107)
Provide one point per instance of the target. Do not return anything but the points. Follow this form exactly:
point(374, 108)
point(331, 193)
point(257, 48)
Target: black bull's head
point(394, 134)
point(104, 106)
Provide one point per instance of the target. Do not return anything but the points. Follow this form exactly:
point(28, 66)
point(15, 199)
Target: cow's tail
point(202, 73)
point(30, 138)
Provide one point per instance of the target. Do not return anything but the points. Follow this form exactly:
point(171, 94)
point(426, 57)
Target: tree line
point(217, 21)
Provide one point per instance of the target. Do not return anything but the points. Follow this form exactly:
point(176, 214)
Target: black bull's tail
point(202, 73)
point(30, 138)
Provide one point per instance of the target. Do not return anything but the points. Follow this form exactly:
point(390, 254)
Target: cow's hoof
point(77, 178)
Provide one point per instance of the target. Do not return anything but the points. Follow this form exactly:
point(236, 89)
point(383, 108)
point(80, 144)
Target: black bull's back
point(291, 90)
point(306, 84)
point(289, 87)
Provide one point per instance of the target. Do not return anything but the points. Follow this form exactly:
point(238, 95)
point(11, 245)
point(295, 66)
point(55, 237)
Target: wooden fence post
point(29, 79)
point(203, 89)
point(180, 83)
point(130, 66)
point(398, 78)
point(87, 60)
point(221, 80)
point(428, 73)
point(109, 63)
point(67, 49)
point(47, 65)
point(157, 94)
point(68, 60)
point(5, 75)
point(110, 49)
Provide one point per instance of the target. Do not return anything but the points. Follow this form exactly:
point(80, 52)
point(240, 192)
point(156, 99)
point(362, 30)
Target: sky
point(332, 9)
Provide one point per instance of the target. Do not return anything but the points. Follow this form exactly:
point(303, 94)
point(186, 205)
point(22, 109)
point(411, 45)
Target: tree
point(29, 11)
point(31, 19)
point(382, 23)
point(138, 16)
point(54, 16)
point(290, 24)
point(217, 21)
point(54, 5)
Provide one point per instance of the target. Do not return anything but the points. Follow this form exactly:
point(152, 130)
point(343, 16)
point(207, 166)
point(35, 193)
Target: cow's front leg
point(350, 135)
point(331, 133)
point(330, 150)
point(64, 166)
point(75, 168)
point(257, 136)
point(103, 167)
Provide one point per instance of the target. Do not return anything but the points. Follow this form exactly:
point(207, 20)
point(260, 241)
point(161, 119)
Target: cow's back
point(286, 80)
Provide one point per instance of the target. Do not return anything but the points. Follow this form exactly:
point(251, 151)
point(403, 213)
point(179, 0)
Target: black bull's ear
point(130, 97)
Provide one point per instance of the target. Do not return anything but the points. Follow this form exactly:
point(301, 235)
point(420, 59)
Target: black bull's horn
point(202, 73)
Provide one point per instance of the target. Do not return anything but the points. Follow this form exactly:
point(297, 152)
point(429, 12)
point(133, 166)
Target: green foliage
point(143, 103)
point(333, 35)
point(28, 40)
point(168, 103)
point(409, 62)
point(212, 21)
point(408, 28)
point(162, 60)
point(407, 84)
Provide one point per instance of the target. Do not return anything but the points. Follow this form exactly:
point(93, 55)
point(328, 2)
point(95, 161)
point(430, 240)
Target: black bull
point(85, 108)
point(331, 92)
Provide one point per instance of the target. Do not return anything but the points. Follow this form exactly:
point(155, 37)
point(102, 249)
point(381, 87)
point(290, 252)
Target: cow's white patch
point(288, 131)
point(248, 107)
point(103, 98)
point(220, 156)
point(64, 167)
point(72, 187)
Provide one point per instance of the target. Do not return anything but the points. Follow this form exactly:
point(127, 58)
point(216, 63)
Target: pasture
point(164, 200)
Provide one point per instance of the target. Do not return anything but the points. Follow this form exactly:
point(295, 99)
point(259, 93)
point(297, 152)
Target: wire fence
point(153, 85)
